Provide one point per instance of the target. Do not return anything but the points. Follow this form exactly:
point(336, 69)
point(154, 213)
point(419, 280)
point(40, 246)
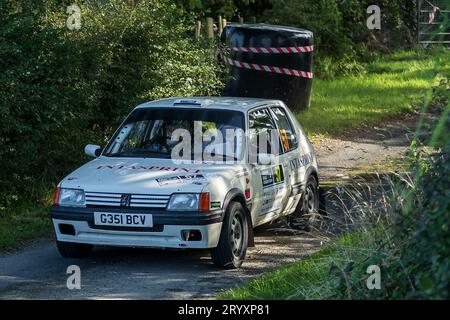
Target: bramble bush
point(62, 89)
point(422, 225)
point(414, 249)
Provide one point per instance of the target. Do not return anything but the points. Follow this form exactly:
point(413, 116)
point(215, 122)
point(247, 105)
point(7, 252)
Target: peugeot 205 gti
point(197, 173)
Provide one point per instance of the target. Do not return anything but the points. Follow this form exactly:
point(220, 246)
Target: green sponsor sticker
point(215, 204)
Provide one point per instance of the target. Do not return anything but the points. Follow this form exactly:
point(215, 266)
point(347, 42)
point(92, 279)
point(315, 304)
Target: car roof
point(225, 103)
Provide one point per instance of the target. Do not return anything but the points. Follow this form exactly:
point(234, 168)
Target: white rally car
point(137, 194)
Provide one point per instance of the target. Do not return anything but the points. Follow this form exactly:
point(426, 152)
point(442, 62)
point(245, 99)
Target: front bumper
point(167, 230)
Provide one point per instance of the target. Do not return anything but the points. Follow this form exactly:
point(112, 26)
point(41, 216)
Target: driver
point(162, 140)
point(173, 125)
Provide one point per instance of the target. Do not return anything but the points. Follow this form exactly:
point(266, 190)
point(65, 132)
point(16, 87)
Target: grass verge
point(393, 84)
point(309, 278)
point(23, 223)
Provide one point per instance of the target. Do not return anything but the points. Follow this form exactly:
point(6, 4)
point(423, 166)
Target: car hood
point(155, 176)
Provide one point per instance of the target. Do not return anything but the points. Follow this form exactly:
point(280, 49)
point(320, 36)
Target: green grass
point(392, 85)
point(23, 223)
point(312, 277)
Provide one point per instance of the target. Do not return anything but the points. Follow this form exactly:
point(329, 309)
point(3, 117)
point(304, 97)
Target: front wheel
point(232, 247)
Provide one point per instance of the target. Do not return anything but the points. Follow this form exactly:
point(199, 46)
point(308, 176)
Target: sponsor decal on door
point(274, 189)
point(302, 161)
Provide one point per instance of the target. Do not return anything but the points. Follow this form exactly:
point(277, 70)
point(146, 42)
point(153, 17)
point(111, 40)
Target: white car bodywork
point(267, 191)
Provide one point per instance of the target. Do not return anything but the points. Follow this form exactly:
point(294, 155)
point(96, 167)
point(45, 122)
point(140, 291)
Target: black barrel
point(247, 81)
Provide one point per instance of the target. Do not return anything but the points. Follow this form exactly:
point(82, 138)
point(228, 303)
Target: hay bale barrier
point(269, 61)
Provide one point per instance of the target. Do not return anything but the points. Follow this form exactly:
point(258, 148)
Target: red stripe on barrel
point(272, 69)
point(263, 50)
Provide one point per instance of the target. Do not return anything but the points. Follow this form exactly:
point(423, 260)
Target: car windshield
point(155, 133)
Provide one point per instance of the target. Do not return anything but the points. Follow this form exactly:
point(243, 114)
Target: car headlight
point(184, 201)
point(71, 197)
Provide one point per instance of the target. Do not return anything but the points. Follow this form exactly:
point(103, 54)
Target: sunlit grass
point(392, 85)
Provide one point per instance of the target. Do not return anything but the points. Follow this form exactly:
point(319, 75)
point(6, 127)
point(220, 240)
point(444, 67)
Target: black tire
point(233, 241)
point(73, 250)
point(322, 202)
point(307, 212)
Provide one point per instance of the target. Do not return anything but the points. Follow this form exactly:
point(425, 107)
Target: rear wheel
point(232, 247)
point(307, 212)
point(73, 250)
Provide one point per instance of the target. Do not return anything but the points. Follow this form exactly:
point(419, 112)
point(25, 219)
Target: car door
point(268, 178)
point(288, 156)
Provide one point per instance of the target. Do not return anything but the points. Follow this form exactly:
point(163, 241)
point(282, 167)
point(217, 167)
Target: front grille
point(101, 199)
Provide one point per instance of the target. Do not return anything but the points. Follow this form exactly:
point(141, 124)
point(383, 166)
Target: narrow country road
point(37, 271)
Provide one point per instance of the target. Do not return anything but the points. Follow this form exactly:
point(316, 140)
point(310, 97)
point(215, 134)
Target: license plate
point(123, 219)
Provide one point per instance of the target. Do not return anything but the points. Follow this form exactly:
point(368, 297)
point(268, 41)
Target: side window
point(262, 125)
point(286, 131)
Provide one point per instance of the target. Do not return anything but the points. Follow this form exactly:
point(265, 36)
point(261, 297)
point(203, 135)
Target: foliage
point(421, 228)
point(227, 8)
point(342, 39)
point(320, 16)
point(421, 232)
point(60, 89)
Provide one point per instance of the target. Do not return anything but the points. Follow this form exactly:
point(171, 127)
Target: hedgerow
point(61, 89)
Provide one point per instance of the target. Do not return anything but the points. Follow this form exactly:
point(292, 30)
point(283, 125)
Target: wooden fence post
point(210, 26)
point(220, 24)
point(198, 28)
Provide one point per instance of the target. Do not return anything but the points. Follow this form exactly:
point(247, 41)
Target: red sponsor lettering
point(147, 168)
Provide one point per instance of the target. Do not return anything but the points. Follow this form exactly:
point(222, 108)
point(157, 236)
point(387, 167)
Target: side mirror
point(93, 150)
point(266, 158)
